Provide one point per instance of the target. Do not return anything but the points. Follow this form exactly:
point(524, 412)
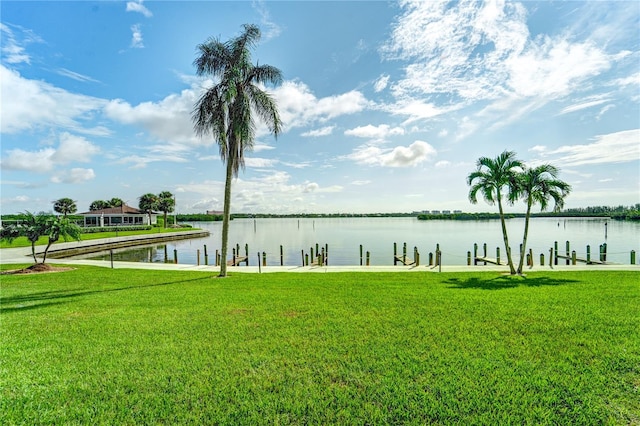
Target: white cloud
point(259, 163)
point(298, 106)
point(75, 76)
point(137, 6)
point(273, 192)
point(443, 164)
point(70, 149)
point(585, 103)
point(272, 29)
point(360, 182)
point(136, 37)
point(324, 131)
point(167, 120)
point(617, 147)
point(400, 156)
point(470, 52)
point(74, 176)
point(55, 107)
point(375, 132)
point(381, 83)
point(13, 50)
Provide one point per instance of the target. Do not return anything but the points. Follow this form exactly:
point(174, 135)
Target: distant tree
point(148, 203)
point(98, 205)
point(33, 226)
point(65, 206)
point(115, 202)
point(539, 185)
point(166, 204)
point(227, 110)
point(491, 178)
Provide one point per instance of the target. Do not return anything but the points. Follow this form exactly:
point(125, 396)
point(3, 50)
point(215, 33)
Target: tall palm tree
point(491, 178)
point(166, 204)
point(65, 206)
point(539, 185)
point(148, 203)
point(226, 110)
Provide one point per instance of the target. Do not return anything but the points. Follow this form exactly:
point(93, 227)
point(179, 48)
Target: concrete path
point(23, 255)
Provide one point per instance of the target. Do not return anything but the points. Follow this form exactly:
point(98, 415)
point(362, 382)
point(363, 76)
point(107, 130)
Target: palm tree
point(65, 206)
point(33, 226)
point(539, 185)
point(491, 177)
point(148, 203)
point(115, 202)
point(98, 205)
point(226, 110)
point(166, 204)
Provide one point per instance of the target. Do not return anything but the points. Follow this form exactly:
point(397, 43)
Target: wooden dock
point(236, 261)
point(488, 260)
point(404, 260)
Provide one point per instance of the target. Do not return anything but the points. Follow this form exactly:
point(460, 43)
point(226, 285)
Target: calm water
point(377, 235)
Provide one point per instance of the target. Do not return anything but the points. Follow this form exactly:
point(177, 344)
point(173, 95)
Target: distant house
point(118, 216)
point(214, 212)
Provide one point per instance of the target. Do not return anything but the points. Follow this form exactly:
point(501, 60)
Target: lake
point(377, 235)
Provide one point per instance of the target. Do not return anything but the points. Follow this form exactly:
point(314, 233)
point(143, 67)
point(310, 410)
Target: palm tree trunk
point(33, 252)
point(226, 216)
point(505, 237)
point(165, 218)
point(524, 238)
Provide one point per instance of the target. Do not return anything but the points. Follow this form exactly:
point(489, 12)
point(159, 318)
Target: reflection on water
point(343, 236)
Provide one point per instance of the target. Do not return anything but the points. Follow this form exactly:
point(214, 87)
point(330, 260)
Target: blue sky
point(386, 105)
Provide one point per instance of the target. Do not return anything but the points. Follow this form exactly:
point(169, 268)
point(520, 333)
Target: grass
point(100, 346)
point(24, 242)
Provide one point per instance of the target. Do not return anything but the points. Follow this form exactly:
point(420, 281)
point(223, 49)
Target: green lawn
point(101, 346)
point(24, 242)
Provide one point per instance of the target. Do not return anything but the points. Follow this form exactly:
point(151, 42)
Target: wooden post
point(175, 256)
point(528, 259)
point(368, 258)
point(395, 254)
point(555, 252)
point(302, 253)
point(415, 255)
point(281, 256)
point(475, 254)
point(198, 256)
point(498, 255)
point(604, 252)
point(259, 268)
point(306, 259)
point(573, 258)
point(417, 258)
point(439, 256)
point(320, 260)
point(233, 257)
point(484, 252)
point(206, 256)
point(360, 254)
point(541, 259)
point(311, 250)
point(633, 257)
point(551, 257)
point(404, 253)
point(326, 253)
point(264, 258)
point(166, 255)
point(469, 258)
point(111, 256)
point(531, 258)
point(246, 254)
point(217, 262)
point(317, 247)
point(430, 259)
point(567, 252)
point(588, 255)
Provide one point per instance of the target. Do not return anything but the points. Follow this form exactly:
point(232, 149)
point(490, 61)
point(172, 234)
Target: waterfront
point(377, 235)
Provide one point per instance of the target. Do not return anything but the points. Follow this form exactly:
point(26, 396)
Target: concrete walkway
point(23, 255)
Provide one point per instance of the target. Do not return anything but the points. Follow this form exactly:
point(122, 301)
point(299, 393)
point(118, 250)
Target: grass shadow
point(59, 295)
point(505, 282)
